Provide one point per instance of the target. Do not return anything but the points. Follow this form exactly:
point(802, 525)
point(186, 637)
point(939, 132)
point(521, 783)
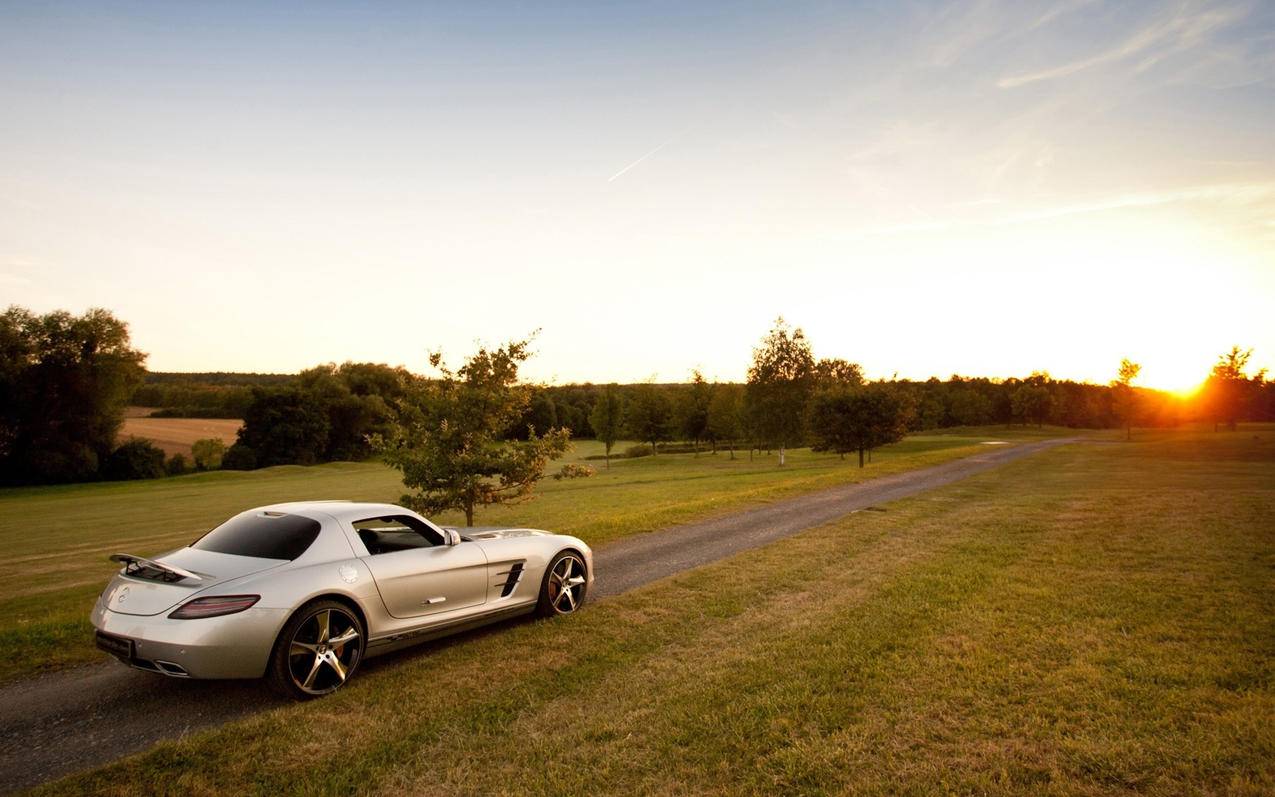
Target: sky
point(984, 188)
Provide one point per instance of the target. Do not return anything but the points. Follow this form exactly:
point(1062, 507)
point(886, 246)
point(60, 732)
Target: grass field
point(175, 435)
point(55, 540)
point(1096, 619)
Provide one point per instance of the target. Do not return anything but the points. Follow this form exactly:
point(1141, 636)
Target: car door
point(415, 569)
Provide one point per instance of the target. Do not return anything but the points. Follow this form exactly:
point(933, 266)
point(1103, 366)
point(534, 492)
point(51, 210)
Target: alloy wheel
point(566, 584)
point(324, 651)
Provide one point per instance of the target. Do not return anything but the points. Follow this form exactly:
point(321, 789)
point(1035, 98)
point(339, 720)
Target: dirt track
point(73, 720)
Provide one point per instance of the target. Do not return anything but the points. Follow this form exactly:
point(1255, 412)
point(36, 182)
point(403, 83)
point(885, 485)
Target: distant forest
point(955, 401)
point(216, 394)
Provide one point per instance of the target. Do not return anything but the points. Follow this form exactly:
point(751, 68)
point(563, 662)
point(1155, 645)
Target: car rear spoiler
point(134, 564)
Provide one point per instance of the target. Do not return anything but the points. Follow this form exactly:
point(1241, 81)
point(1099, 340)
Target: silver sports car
point(301, 593)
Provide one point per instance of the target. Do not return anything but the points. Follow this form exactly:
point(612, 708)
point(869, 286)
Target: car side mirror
point(453, 536)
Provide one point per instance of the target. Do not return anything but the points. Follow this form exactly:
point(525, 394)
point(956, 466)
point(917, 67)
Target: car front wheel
point(564, 585)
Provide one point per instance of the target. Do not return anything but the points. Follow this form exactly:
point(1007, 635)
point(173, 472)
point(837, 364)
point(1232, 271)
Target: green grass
point(55, 540)
point(1096, 619)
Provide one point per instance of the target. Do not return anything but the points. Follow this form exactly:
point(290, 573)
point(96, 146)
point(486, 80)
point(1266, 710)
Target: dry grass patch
point(176, 435)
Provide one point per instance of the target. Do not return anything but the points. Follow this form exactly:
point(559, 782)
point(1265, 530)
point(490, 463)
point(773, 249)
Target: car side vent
point(512, 576)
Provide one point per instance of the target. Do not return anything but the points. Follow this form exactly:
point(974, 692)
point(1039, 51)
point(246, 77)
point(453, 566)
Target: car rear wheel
point(318, 651)
point(565, 582)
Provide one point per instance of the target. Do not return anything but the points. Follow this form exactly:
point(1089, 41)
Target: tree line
point(202, 395)
point(66, 379)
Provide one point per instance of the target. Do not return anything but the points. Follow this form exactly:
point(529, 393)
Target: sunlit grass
point(1094, 619)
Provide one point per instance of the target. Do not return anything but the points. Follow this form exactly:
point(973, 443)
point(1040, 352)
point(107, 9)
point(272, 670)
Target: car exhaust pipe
point(170, 669)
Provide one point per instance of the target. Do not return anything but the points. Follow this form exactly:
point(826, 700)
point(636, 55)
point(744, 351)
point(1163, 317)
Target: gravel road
point(72, 720)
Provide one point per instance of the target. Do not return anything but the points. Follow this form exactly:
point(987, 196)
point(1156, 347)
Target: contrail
point(639, 160)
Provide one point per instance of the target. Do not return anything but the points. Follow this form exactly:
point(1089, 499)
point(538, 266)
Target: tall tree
point(726, 415)
point(64, 381)
point(779, 384)
point(846, 418)
point(693, 410)
point(648, 415)
point(607, 417)
point(1124, 395)
point(449, 443)
point(1226, 390)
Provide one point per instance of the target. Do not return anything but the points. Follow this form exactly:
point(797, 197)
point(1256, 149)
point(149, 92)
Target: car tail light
point(214, 606)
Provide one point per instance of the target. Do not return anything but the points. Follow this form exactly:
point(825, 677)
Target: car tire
point(563, 588)
point(318, 651)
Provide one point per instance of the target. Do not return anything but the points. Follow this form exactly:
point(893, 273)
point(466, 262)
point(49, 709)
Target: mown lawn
point(55, 540)
point(1095, 619)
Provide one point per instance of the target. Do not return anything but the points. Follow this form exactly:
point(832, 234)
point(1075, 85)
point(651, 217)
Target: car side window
point(393, 533)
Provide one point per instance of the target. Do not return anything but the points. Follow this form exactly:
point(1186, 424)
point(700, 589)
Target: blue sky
point(980, 187)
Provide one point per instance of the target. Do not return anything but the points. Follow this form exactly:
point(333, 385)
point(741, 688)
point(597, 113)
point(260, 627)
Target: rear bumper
point(233, 646)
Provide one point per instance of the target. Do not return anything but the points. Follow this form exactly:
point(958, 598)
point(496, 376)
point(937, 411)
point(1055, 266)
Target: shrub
point(239, 457)
point(176, 465)
point(135, 459)
point(573, 471)
point(208, 453)
point(640, 450)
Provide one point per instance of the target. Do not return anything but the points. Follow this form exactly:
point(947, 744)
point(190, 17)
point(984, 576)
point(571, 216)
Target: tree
point(607, 417)
point(835, 371)
point(779, 383)
point(207, 453)
point(647, 415)
point(1124, 397)
point(847, 418)
point(541, 413)
point(966, 405)
point(1226, 390)
point(1032, 400)
point(837, 420)
point(284, 426)
point(693, 410)
point(449, 442)
point(726, 415)
point(357, 400)
point(64, 380)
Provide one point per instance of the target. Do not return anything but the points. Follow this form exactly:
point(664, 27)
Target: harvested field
point(175, 435)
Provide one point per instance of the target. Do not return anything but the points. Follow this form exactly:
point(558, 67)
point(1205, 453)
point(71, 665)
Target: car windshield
point(264, 535)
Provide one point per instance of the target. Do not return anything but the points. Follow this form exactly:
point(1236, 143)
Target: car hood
point(495, 532)
point(134, 594)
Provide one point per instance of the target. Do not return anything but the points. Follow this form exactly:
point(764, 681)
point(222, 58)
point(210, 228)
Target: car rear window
point(263, 535)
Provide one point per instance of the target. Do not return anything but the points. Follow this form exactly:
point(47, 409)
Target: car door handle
point(432, 601)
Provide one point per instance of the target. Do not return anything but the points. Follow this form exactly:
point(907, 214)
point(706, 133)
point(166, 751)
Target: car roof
point(341, 510)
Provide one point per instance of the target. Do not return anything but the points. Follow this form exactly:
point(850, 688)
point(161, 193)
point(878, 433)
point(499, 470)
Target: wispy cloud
point(1057, 10)
point(1155, 42)
point(1233, 194)
point(959, 29)
point(620, 173)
